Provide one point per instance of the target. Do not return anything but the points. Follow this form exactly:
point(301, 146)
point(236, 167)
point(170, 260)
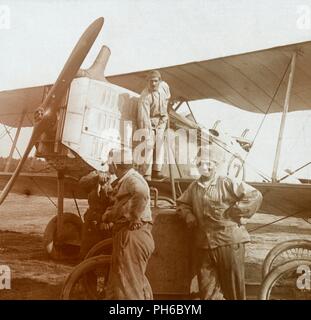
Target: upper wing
point(254, 81)
point(248, 81)
point(14, 103)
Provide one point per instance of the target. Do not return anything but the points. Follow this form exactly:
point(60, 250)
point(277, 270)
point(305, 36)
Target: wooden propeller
point(52, 101)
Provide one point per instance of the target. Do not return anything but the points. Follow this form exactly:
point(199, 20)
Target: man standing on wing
point(152, 116)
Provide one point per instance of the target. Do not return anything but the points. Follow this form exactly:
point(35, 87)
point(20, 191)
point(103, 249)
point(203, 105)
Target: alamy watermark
point(5, 277)
point(5, 17)
point(157, 146)
point(303, 21)
point(304, 280)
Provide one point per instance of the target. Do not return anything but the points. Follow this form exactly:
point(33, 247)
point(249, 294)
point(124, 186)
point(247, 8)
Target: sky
point(36, 38)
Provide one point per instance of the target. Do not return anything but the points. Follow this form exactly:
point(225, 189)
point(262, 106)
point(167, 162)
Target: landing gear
point(103, 247)
point(88, 280)
point(283, 282)
point(281, 270)
point(64, 245)
point(62, 236)
point(284, 252)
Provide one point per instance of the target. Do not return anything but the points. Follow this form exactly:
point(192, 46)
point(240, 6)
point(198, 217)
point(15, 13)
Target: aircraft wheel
point(96, 269)
point(71, 238)
point(283, 282)
point(286, 251)
point(103, 247)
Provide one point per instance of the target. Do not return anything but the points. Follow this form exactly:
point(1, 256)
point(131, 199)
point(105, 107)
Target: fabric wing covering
point(247, 81)
point(254, 81)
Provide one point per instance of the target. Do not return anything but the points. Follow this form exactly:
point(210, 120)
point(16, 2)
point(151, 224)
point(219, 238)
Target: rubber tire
point(57, 253)
point(79, 270)
point(280, 248)
point(275, 274)
point(103, 247)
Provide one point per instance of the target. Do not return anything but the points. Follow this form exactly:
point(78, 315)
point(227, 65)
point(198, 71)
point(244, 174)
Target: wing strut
point(170, 167)
point(8, 162)
point(283, 120)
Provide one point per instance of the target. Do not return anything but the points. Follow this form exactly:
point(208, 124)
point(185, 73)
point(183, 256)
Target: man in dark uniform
point(216, 208)
point(97, 185)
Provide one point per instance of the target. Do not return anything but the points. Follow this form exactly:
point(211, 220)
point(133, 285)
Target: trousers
point(155, 151)
point(221, 272)
point(130, 254)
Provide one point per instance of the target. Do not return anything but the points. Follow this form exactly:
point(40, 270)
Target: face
point(154, 83)
point(111, 169)
point(111, 165)
point(207, 168)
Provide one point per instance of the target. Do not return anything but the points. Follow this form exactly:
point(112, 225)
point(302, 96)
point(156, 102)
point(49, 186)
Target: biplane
point(79, 118)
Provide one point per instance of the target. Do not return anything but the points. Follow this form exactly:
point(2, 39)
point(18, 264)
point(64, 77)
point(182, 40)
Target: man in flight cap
point(152, 116)
point(216, 208)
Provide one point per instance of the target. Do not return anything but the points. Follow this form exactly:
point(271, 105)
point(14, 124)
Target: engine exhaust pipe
point(97, 70)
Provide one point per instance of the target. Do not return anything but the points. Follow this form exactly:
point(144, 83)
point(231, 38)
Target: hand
point(106, 226)
point(191, 221)
point(135, 225)
point(235, 215)
point(243, 221)
point(107, 189)
point(108, 214)
point(103, 177)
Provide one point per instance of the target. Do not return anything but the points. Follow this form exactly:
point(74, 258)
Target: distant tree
point(32, 164)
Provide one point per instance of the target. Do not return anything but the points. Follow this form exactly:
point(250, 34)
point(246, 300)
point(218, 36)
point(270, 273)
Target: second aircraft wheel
point(289, 281)
point(96, 270)
point(286, 251)
point(103, 247)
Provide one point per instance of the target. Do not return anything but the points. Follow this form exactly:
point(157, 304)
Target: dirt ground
point(22, 223)
point(36, 276)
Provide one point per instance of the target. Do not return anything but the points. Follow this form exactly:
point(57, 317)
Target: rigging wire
point(263, 175)
point(9, 134)
point(4, 133)
point(31, 178)
point(278, 220)
point(294, 143)
point(275, 221)
point(42, 190)
point(293, 172)
point(266, 112)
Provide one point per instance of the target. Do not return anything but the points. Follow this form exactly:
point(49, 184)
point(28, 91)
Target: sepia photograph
point(155, 150)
